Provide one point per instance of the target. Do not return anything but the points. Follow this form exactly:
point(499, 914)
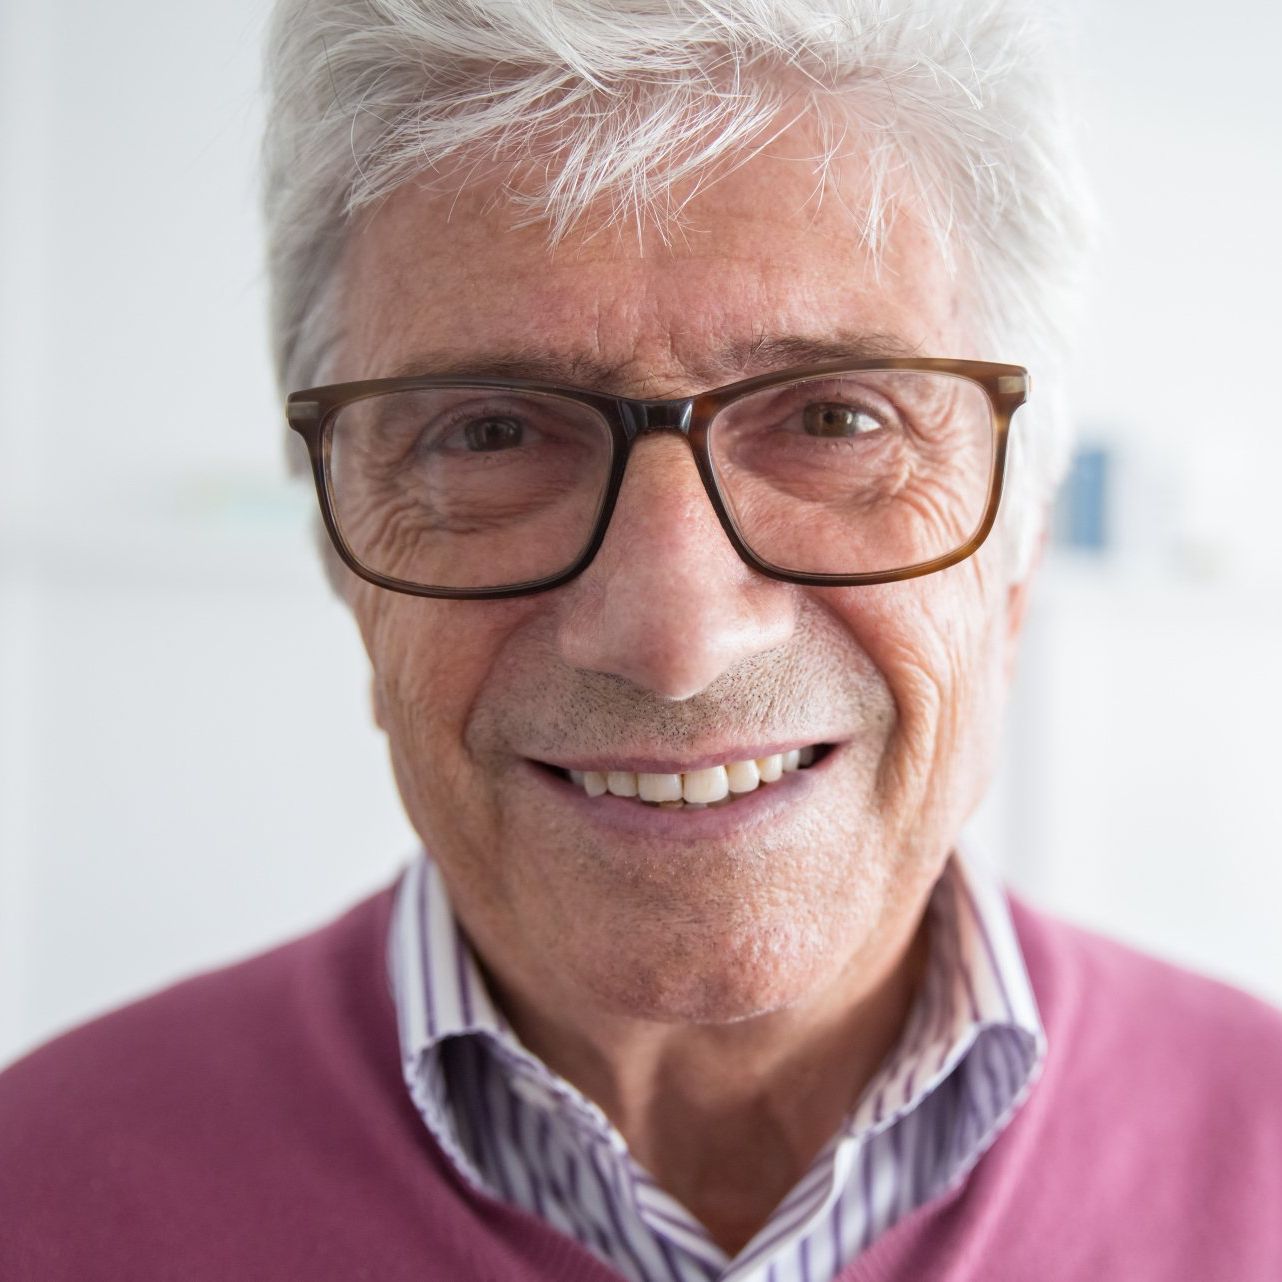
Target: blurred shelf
point(223, 533)
point(1086, 582)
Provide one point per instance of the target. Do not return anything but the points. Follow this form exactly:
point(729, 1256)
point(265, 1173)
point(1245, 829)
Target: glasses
point(837, 474)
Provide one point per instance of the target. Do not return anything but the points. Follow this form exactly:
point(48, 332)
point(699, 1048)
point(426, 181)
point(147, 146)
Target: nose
point(667, 603)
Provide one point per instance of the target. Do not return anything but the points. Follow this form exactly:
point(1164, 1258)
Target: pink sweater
point(252, 1124)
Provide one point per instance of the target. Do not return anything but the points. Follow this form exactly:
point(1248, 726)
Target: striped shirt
point(969, 1052)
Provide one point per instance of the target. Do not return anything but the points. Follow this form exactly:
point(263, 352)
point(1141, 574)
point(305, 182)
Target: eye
point(494, 433)
point(828, 418)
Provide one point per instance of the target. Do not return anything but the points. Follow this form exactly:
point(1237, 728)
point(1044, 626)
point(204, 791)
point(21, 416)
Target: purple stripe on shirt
point(543, 1152)
point(517, 1119)
point(1008, 1065)
point(612, 1210)
point(781, 1226)
point(396, 962)
point(900, 1183)
point(978, 1117)
point(460, 969)
point(994, 1070)
point(965, 893)
point(487, 1088)
point(685, 1222)
point(983, 1091)
point(572, 1176)
point(819, 1173)
point(426, 951)
point(924, 1137)
point(687, 1235)
point(590, 1224)
point(947, 1011)
point(1019, 1061)
point(971, 1121)
point(930, 1002)
point(879, 1105)
point(669, 1259)
point(963, 970)
point(838, 1246)
point(865, 1181)
point(568, 1205)
point(630, 1172)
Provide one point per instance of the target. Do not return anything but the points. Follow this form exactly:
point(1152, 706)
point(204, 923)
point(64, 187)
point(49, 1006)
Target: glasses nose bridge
point(675, 416)
point(661, 416)
point(653, 417)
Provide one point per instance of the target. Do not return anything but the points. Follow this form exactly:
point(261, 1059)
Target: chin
point(706, 975)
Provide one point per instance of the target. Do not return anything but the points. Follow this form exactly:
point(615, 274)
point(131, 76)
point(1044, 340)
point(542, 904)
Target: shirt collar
point(976, 985)
point(975, 982)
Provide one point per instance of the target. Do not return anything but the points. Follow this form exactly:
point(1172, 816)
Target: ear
point(1017, 606)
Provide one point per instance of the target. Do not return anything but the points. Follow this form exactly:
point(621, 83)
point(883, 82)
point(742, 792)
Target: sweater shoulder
point(1120, 975)
point(221, 1013)
point(194, 1068)
point(248, 1122)
point(1148, 1148)
point(1135, 1022)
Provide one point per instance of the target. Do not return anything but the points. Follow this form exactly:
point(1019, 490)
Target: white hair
point(610, 108)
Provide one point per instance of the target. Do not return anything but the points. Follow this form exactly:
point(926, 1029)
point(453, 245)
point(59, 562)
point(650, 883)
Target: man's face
point(669, 652)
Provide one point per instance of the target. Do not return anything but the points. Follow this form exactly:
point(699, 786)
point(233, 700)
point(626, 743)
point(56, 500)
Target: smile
point(709, 786)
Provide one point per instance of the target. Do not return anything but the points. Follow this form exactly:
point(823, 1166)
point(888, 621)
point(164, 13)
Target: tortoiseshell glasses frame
point(312, 412)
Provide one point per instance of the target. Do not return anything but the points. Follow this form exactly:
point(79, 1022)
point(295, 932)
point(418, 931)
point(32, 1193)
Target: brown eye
point(488, 434)
point(829, 419)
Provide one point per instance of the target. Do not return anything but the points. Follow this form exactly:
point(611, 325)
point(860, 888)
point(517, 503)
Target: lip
point(626, 816)
point(720, 757)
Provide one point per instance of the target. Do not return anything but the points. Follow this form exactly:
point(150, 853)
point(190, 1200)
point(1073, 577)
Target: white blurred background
point(187, 767)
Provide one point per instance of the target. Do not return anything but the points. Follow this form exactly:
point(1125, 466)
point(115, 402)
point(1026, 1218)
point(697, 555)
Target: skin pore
point(723, 997)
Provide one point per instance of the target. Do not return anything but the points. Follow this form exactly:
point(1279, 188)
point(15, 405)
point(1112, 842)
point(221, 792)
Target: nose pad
point(664, 416)
point(667, 603)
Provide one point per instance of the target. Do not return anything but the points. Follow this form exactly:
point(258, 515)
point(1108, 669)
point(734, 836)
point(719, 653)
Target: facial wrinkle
point(546, 709)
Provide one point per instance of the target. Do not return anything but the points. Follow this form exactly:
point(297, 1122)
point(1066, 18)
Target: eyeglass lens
point(866, 472)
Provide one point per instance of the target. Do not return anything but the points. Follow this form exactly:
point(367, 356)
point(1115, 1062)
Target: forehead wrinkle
point(736, 358)
point(538, 364)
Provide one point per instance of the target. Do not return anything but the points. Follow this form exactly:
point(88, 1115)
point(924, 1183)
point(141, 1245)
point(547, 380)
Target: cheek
point(431, 661)
point(937, 643)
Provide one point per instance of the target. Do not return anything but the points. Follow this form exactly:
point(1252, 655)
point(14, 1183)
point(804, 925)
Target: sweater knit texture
point(252, 1123)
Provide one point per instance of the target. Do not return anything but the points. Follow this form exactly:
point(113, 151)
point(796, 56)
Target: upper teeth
point(694, 787)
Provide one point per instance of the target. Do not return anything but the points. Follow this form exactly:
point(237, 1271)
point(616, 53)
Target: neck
point(728, 1117)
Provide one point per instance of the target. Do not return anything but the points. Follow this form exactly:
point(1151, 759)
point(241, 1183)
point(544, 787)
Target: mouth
point(707, 786)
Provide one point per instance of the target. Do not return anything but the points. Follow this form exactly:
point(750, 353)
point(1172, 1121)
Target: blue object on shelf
point(1081, 512)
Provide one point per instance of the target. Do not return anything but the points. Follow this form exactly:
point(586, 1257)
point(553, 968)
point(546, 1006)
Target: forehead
point(762, 271)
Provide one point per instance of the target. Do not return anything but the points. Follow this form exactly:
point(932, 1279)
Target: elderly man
point(644, 355)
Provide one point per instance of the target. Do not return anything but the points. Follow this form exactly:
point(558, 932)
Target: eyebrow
point(761, 353)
